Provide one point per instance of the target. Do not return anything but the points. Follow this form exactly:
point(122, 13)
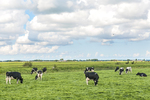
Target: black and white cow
point(39, 74)
point(117, 68)
point(121, 71)
point(13, 75)
point(142, 74)
point(89, 69)
point(44, 69)
point(34, 70)
point(92, 76)
point(128, 69)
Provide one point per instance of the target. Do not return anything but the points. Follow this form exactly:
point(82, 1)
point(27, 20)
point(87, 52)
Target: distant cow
point(121, 70)
point(44, 69)
point(128, 69)
point(142, 74)
point(34, 70)
point(92, 76)
point(39, 74)
point(116, 69)
point(89, 69)
point(13, 75)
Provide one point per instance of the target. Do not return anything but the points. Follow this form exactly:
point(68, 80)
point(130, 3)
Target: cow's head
point(32, 71)
point(21, 80)
point(96, 82)
point(138, 73)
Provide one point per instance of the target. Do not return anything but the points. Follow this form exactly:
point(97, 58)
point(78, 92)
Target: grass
point(71, 85)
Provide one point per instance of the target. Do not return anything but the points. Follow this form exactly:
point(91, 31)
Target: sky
point(74, 29)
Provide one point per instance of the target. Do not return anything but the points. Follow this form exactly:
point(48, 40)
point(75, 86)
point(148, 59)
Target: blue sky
point(74, 29)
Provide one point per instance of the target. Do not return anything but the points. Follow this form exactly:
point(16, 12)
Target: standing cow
point(13, 75)
point(117, 68)
point(34, 70)
point(44, 69)
point(39, 74)
point(92, 76)
point(128, 69)
point(121, 71)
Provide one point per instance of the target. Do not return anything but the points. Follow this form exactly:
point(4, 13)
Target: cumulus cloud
point(60, 22)
point(96, 53)
point(147, 53)
point(24, 39)
point(101, 55)
point(88, 55)
point(136, 55)
point(18, 48)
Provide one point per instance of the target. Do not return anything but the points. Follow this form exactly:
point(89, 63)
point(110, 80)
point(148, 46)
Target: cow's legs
point(7, 80)
point(87, 79)
point(17, 81)
point(41, 77)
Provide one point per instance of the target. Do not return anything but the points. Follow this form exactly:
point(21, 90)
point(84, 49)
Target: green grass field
point(69, 83)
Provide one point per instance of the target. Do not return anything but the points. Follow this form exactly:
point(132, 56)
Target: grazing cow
point(92, 76)
point(39, 75)
point(121, 70)
point(13, 75)
point(142, 74)
point(44, 69)
point(89, 69)
point(128, 69)
point(34, 70)
point(116, 69)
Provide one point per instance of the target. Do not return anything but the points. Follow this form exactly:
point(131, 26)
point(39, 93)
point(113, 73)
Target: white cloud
point(45, 5)
point(2, 43)
point(18, 48)
point(96, 53)
point(88, 55)
point(141, 37)
point(24, 39)
point(147, 53)
point(101, 55)
point(136, 55)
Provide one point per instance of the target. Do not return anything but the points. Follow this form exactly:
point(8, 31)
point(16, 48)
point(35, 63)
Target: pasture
point(68, 83)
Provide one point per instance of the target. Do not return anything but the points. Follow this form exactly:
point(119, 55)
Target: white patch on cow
point(11, 77)
point(40, 75)
point(92, 70)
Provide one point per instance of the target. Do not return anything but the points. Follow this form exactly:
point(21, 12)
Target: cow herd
point(89, 74)
point(129, 69)
point(17, 75)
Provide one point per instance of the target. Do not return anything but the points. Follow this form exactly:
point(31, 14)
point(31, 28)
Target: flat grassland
point(68, 82)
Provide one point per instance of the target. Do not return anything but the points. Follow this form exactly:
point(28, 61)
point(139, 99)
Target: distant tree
point(27, 64)
point(136, 60)
point(56, 60)
point(143, 59)
point(128, 60)
point(94, 59)
point(61, 59)
point(88, 60)
point(75, 60)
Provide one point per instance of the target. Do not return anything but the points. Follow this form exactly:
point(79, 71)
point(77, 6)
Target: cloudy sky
point(74, 29)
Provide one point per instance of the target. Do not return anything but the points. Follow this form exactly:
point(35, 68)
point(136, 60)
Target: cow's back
point(92, 75)
point(13, 74)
